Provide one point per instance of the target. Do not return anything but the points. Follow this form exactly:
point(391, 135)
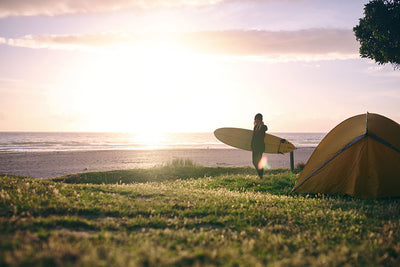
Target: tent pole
point(291, 161)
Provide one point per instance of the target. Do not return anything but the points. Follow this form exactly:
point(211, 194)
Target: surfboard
point(241, 138)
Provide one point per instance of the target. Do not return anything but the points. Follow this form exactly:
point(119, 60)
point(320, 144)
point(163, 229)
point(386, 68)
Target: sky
point(186, 66)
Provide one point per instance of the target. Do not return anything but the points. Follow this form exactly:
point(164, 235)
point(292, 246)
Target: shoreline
point(59, 163)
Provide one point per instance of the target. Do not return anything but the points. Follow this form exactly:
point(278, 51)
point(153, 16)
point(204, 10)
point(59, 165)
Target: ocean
point(74, 141)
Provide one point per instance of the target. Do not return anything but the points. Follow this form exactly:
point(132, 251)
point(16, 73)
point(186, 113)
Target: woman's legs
point(256, 160)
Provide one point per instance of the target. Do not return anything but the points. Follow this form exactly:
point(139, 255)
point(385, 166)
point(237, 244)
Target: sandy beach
point(53, 164)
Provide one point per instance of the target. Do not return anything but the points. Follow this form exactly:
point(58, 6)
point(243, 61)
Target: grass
point(181, 214)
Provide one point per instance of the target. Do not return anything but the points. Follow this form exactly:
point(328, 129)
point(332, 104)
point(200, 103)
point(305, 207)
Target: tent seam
point(331, 158)
point(383, 141)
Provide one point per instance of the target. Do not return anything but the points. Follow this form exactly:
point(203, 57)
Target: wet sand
point(53, 164)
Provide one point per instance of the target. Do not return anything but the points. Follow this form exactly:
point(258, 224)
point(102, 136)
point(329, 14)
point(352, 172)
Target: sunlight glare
point(120, 90)
point(149, 139)
point(263, 164)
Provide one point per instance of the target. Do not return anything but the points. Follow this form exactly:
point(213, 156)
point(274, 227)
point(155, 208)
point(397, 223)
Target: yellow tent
point(359, 157)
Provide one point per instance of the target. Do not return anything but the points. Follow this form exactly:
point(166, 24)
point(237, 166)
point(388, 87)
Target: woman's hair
point(258, 116)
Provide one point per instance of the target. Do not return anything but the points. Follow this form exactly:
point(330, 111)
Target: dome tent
point(359, 157)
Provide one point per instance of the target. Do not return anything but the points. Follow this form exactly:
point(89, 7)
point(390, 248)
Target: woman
point(257, 143)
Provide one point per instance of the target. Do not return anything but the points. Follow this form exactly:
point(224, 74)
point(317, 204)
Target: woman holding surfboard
point(257, 143)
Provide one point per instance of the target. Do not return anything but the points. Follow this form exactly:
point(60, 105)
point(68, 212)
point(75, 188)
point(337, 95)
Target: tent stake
point(291, 161)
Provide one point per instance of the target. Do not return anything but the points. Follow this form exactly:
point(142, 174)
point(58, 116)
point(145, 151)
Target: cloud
point(311, 44)
point(72, 42)
point(386, 70)
point(60, 7)
point(281, 45)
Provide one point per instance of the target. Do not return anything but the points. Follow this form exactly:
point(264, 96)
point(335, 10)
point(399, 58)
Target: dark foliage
point(379, 32)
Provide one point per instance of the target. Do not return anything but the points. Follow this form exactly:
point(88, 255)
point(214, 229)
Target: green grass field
point(187, 215)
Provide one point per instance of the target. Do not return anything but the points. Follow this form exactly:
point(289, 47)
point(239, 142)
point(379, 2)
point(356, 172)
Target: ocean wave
point(47, 142)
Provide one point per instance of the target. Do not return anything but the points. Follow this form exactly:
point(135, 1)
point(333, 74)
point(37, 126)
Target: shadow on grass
point(160, 174)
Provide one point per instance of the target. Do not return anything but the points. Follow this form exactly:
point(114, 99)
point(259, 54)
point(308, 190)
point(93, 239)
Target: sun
point(149, 140)
point(148, 89)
